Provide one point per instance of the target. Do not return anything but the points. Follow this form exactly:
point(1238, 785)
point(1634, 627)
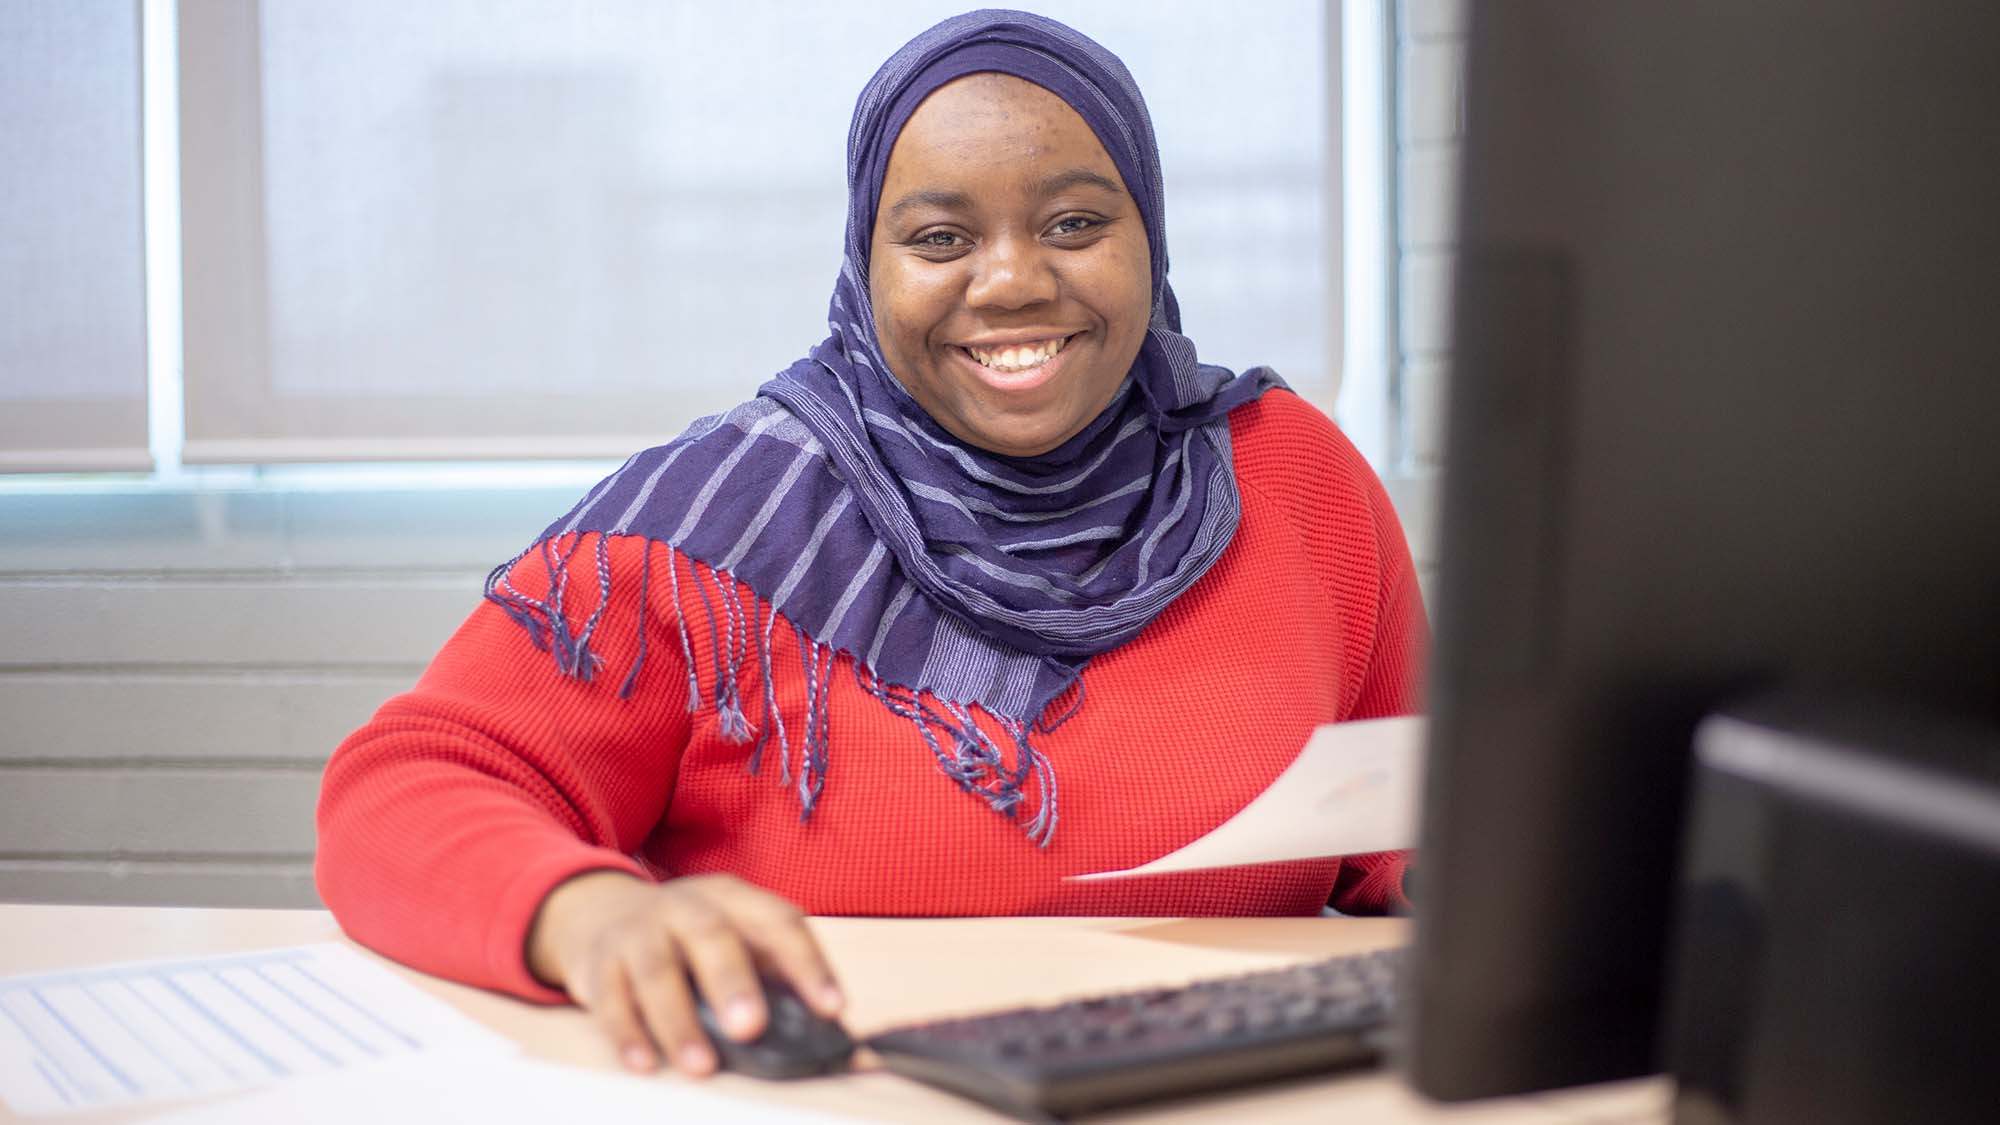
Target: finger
point(721, 966)
point(779, 936)
point(666, 1003)
point(610, 1003)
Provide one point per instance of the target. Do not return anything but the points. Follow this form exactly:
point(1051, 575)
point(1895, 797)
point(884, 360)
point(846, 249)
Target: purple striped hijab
point(956, 579)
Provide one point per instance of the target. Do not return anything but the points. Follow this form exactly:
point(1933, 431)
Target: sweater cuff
point(1371, 884)
point(520, 900)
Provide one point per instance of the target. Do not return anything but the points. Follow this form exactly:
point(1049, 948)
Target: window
point(469, 229)
point(72, 241)
point(485, 230)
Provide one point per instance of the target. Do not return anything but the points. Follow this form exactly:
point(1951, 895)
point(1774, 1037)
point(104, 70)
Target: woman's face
point(1009, 268)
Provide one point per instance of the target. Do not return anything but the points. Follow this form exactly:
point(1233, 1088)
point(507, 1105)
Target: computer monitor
point(1725, 413)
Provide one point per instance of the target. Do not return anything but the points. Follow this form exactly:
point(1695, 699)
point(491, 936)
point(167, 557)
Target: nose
point(1011, 272)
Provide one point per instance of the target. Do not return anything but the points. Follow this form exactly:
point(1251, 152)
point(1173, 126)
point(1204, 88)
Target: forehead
point(988, 118)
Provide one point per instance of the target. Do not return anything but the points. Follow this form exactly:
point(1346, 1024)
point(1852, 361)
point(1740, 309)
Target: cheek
point(903, 310)
point(901, 333)
point(1125, 289)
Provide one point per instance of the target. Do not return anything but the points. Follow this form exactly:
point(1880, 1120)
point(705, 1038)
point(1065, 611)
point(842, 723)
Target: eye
point(1074, 226)
point(939, 241)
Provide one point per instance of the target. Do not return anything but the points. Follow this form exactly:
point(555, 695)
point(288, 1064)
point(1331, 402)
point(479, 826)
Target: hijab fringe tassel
point(739, 627)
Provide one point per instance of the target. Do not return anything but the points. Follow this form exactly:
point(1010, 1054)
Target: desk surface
point(893, 971)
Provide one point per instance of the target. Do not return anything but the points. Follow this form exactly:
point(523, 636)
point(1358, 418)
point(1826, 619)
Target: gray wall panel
point(163, 813)
point(207, 531)
point(175, 665)
point(154, 531)
point(455, 530)
point(66, 717)
point(158, 883)
point(252, 620)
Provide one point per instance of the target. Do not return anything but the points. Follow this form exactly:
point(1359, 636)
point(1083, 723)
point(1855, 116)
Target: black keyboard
point(1136, 1046)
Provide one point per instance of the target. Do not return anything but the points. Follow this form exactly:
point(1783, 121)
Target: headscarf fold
point(955, 579)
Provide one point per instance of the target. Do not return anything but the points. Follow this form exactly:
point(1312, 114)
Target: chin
point(1026, 440)
point(1041, 440)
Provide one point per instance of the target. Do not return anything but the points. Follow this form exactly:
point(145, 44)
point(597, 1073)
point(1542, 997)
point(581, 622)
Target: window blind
point(72, 238)
point(525, 228)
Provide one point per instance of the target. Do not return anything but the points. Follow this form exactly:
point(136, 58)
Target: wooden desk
point(893, 971)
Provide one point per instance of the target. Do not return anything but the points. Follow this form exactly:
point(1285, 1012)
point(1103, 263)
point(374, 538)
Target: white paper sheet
point(121, 1034)
point(1354, 788)
point(425, 1091)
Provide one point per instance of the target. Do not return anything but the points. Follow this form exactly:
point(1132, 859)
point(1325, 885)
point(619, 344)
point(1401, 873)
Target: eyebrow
point(1051, 184)
point(1077, 177)
point(943, 200)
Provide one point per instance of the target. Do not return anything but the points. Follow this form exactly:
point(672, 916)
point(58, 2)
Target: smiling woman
point(1011, 275)
point(1000, 525)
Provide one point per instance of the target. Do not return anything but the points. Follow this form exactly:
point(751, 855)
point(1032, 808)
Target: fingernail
point(638, 1058)
point(830, 997)
point(741, 1015)
point(696, 1060)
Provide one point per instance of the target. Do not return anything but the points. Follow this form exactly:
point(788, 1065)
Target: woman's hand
point(625, 949)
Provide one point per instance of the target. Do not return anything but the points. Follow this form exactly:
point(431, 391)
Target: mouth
point(1018, 366)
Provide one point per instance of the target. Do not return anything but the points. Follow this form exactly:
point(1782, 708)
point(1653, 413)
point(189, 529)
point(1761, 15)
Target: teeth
point(1018, 357)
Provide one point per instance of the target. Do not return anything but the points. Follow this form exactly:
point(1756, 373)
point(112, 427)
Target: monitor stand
point(1837, 945)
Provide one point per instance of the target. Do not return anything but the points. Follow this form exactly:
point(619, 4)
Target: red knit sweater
point(447, 818)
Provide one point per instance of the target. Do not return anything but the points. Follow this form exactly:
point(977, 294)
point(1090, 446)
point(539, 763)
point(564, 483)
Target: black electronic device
point(1109, 1050)
point(796, 1042)
point(1833, 960)
point(1725, 414)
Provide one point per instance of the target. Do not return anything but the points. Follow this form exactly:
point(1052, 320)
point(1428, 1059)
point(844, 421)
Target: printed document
point(122, 1034)
point(1353, 789)
point(520, 1091)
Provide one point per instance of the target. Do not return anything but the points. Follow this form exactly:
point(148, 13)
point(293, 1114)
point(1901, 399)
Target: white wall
point(178, 666)
point(1430, 129)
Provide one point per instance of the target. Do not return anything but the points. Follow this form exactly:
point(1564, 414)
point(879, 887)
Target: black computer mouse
point(797, 1042)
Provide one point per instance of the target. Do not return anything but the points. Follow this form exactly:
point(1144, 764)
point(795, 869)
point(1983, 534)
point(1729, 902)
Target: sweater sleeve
point(1394, 681)
point(1349, 527)
point(448, 817)
point(1374, 884)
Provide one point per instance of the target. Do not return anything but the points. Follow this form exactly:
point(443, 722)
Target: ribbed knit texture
point(447, 818)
